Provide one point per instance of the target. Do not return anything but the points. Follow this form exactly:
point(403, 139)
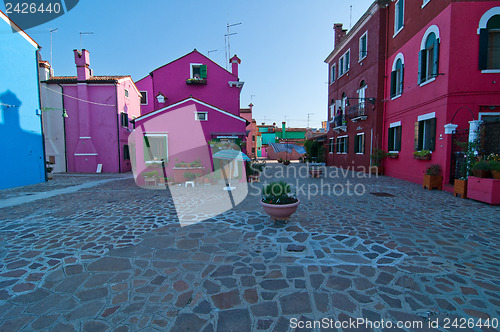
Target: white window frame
point(481, 114)
point(425, 3)
point(362, 97)
point(396, 17)
point(344, 141)
point(425, 117)
point(432, 29)
point(361, 57)
point(126, 93)
point(145, 93)
point(197, 118)
point(331, 145)
point(191, 65)
point(401, 57)
point(333, 70)
point(361, 134)
point(483, 23)
point(157, 135)
point(344, 65)
point(395, 125)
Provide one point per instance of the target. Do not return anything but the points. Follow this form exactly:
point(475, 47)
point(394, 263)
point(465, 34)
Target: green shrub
point(482, 165)
point(278, 193)
point(434, 169)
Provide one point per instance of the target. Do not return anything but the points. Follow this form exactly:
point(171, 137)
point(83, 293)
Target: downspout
point(37, 55)
point(118, 124)
point(64, 131)
point(384, 105)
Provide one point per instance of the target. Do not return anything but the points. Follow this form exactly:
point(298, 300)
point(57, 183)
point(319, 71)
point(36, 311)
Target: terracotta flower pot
point(433, 181)
point(379, 170)
point(280, 212)
point(460, 188)
point(315, 173)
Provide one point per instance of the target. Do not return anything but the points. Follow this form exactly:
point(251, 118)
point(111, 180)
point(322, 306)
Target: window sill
point(428, 81)
point(360, 153)
point(396, 33)
point(361, 59)
point(490, 71)
point(425, 4)
point(341, 152)
point(396, 97)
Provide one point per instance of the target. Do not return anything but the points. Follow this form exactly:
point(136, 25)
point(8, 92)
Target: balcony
point(339, 123)
point(357, 113)
point(196, 81)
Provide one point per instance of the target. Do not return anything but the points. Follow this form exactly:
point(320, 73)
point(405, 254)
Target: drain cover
point(382, 194)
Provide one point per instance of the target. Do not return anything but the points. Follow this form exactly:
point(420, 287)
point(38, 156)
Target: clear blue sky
point(282, 44)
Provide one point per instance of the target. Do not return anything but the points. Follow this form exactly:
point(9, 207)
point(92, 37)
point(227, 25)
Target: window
point(253, 150)
point(333, 70)
point(144, 97)
point(425, 2)
point(489, 44)
point(397, 75)
point(362, 96)
point(428, 58)
point(394, 143)
point(342, 144)
point(201, 116)
point(331, 145)
point(425, 132)
point(344, 63)
point(126, 153)
point(363, 46)
point(126, 93)
point(253, 138)
point(399, 10)
point(359, 143)
point(198, 70)
point(155, 147)
point(124, 119)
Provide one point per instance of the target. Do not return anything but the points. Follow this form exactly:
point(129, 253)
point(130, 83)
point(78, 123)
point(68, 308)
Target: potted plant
point(253, 169)
point(376, 157)
point(481, 169)
point(433, 178)
point(189, 176)
point(460, 187)
point(278, 202)
point(495, 169)
point(49, 169)
point(280, 160)
point(393, 155)
point(422, 155)
point(286, 162)
point(315, 170)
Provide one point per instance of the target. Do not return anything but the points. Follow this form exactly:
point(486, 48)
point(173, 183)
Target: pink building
point(98, 110)
point(186, 104)
point(252, 131)
point(441, 66)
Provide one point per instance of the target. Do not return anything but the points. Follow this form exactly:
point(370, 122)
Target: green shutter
point(390, 146)
point(203, 71)
point(433, 134)
point(483, 49)
point(435, 68)
point(147, 149)
point(422, 59)
point(398, 138)
point(417, 136)
point(402, 78)
point(393, 83)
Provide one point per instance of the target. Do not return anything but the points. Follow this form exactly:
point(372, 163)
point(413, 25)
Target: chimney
point(251, 106)
point(82, 61)
point(339, 33)
point(235, 61)
point(45, 71)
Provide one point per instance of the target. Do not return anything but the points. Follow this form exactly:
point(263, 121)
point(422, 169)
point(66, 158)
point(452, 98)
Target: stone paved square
point(98, 253)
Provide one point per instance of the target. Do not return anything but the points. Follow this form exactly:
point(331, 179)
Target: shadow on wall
point(22, 150)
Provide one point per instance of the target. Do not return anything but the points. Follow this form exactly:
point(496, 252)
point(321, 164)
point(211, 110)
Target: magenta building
point(186, 104)
point(97, 126)
point(444, 65)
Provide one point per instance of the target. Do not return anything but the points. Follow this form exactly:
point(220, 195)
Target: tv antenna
point(211, 52)
point(228, 44)
point(308, 116)
point(350, 18)
point(81, 34)
point(53, 30)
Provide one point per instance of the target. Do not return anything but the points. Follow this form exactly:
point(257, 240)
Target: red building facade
point(356, 90)
point(443, 63)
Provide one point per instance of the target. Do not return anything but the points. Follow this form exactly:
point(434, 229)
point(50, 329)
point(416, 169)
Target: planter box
point(460, 188)
point(433, 181)
point(478, 173)
point(422, 157)
point(379, 170)
point(484, 190)
point(393, 156)
point(179, 173)
point(315, 173)
point(496, 174)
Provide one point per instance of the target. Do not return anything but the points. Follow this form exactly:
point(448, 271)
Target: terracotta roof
point(92, 79)
point(245, 110)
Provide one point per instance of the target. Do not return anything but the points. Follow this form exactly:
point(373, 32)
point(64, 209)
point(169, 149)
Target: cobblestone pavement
point(114, 257)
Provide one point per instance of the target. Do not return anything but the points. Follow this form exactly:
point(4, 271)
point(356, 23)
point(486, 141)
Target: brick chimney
point(82, 61)
point(251, 106)
point(235, 61)
point(339, 33)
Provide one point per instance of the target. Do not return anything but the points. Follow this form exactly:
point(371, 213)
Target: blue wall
point(22, 158)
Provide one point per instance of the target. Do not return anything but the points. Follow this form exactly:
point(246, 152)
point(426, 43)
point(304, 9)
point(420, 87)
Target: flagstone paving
point(114, 257)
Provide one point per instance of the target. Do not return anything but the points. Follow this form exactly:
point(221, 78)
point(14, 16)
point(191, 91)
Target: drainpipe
point(118, 125)
point(37, 57)
point(386, 53)
point(64, 132)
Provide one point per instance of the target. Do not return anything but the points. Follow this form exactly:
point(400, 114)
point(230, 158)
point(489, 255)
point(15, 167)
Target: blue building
point(21, 139)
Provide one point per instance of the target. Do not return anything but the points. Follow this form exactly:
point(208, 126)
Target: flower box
point(433, 182)
point(196, 81)
point(460, 188)
point(180, 171)
point(393, 155)
point(484, 190)
point(427, 157)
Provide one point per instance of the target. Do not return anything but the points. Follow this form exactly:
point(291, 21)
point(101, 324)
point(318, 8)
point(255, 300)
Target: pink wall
point(462, 84)
point(170, 80)
point(187, 137)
